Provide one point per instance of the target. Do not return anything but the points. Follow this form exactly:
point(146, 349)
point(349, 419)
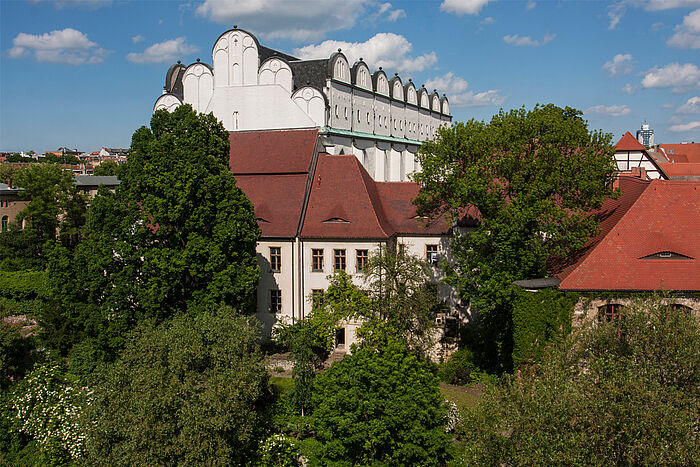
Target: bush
point(188, 392)
point(380, 407)
point(614, 394)
point(458, 368)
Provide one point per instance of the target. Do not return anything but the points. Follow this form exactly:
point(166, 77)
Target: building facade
point(376, 117)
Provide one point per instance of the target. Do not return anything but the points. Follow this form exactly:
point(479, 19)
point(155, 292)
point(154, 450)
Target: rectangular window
point(339, 260)
point(402, 249)
point(431, 254)
point(317, 296)
point(362, 256)
point(275, 301)
point(275, 258)
point(317, 260)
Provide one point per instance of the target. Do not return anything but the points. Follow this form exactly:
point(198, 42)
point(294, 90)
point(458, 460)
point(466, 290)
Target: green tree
point(532, 177)
point(380, 407)
point(613, 394)
point(404, 300)
point(177, 234)
point(55, 208)
point(186, 392)
point(107, 168)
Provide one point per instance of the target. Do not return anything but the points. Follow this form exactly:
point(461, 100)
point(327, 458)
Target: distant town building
point(645, 135)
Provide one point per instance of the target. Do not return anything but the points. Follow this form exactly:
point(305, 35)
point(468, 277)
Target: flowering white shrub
point(48, 408)
point(279, 450)
point(452, 416)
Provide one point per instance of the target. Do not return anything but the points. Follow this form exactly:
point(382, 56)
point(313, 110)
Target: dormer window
point(666, 254)
point(336, 220)
point(260, 219)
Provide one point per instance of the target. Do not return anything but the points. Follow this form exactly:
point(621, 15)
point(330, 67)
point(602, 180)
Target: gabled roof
point(272, 151)
point(341, 183)
point(278, 200)
point(629, 143)
point(396, 199)
point(608, 216)
point(665, 218)
point(682, 171)
point(686, 152)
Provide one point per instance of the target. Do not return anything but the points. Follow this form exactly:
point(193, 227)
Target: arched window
point(611, 313)
point(5, 221)
point(336, 110)
point(678, 308)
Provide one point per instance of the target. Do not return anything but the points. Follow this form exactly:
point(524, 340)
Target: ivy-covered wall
point(539, 319)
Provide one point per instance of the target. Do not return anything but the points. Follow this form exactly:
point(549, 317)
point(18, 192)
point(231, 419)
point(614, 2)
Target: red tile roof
point(689, 152)
point(342, 188)
point(608, 216)
point(629, 143)
point(665, 217)
point(274, 151)
point(396, 200)
point(682, 169)
point(278, 200)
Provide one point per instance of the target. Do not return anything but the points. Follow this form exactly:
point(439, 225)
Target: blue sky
point(85, 73)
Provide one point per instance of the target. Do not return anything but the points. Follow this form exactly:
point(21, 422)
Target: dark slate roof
point(6, 190)
point(542, 283)
point(95, 180)
point(173, 80)
point(310, 72)
point(266, 52)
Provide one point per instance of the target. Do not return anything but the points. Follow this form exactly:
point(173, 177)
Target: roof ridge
point(375, 200)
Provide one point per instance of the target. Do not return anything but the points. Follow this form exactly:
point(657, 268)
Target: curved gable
point(423, 98)
point(396, 88)
point(339, 68)
point(276, 70)
point(236, 59)
point(445, 105)
point(361, 76)
point(435, 102)
point(381, 83)
point(410, 92)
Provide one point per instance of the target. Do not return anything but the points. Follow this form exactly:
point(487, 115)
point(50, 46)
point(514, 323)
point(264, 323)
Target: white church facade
point(380, 119)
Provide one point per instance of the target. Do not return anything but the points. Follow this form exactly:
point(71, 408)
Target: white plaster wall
point(167, 102)
point(396, 166)
point(398, 114)
point(382, 112)
point(236, 60)
point(363, 111)
point(259, 108)
point(276, 71)
point(274, 280)
point(312, 102)
point(340, 99)
point(198, 86)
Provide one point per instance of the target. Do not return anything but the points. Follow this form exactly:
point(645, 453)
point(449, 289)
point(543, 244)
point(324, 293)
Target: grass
point(281, 385)
point(464, 397)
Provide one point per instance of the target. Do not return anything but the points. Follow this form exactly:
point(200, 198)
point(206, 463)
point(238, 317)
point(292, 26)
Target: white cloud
point(621, 64)
point(687, 34)
point(463, 7)
point(629, 89)
point(667, 106)
point(301, 21)
point(395, 15)
point(679, 77)
point(137, 38)
point(67, 46)
point(618, 8)
point(166, 51)
point(527, 41)
point(75, 3)
point(488, 20)
point(530, 5)
point(455, 88)
point(388, 50)
point(685, 126)
point(609, 110)
point(690, 107)
point(385, 12)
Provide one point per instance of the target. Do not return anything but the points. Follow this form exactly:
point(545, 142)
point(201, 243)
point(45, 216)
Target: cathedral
point(377, 117)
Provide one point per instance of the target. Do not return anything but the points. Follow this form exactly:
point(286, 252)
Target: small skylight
point(336, 220)
point(260, 219)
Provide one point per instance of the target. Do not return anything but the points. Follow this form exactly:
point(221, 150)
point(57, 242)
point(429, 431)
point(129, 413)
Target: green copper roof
point(360, 134)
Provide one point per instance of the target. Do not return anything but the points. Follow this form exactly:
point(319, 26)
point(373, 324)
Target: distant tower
point(645, 135)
